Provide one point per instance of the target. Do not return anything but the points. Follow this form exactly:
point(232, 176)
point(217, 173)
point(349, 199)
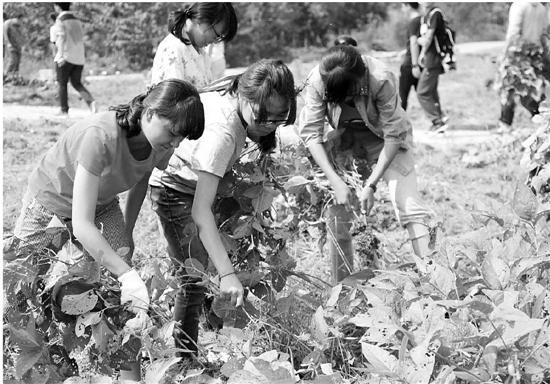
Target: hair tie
point(149, 89)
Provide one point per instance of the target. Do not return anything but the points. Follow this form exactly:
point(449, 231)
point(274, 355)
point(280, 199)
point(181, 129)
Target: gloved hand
point(133, 291)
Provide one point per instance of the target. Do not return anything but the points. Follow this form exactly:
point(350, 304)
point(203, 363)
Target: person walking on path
point(69, 58)
point(79, 179)
point(247, 106)
point(358, 97)
point(521, 70)
point(431, 63)
point(410, 68)
point(182, 54)
point(14, 40)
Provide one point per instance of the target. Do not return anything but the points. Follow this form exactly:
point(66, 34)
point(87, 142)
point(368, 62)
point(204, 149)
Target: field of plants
point(477, 311)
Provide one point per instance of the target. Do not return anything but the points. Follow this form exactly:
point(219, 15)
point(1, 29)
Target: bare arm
point(415, 50)
point(207, 186)
point(85, 192)
point(134, 201)
point(341, 190)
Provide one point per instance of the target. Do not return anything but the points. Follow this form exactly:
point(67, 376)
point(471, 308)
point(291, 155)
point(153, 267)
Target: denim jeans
point(174, 211)
point(427, 93)
point(72, 72)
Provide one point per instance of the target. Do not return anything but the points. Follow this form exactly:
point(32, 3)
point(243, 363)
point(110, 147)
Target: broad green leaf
point(513, 333)
point(155, 372)
point(79, 304)
point(25, 338)
point(26, 360)
point(319, 327)
point(495, 272)
point(244, 229)
point(233, 365)
point(85, 320)
point(442, 278)
point(101, 335)
point(334, 295)
point(194, 268)
point(382, 362)
point(295, 184)
point(247, 377)
point(525, 202)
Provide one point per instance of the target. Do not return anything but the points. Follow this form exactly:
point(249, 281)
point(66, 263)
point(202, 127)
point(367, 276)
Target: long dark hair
point(175, 100)
point(340, 69)
point(260, 81)
point(208, 13)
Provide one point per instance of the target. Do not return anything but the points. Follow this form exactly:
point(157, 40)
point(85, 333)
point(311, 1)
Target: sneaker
point(439, 127)
point(503, 128)
point(62, 114)
point(93, 107)
point(537, 119)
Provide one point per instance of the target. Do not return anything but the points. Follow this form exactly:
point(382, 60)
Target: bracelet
point(227, 274)
point(373, 187)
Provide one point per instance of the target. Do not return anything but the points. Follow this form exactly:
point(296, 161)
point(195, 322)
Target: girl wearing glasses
point(182, 54)
point(250, 105)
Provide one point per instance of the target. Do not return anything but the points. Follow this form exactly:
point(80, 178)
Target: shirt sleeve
point(312, 116)
point(168, 64)
point(92, 151)
point(214, 152)
point(392, 118)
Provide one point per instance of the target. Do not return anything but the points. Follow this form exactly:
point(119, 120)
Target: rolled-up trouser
point(174, 211)
point(360, 143)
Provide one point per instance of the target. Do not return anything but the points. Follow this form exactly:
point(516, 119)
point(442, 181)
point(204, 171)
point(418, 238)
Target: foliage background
point(123, 36)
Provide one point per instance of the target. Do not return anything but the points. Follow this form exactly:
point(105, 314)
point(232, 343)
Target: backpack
point(445, 40)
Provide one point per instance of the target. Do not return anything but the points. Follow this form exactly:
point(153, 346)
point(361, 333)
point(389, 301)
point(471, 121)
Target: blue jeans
point(174, 211)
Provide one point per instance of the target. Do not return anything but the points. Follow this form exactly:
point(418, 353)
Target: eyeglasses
point(273, 123)
point(219, 36)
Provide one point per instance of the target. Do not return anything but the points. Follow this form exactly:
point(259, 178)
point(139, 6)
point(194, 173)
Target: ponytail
point(128, 116)
point(175, 100)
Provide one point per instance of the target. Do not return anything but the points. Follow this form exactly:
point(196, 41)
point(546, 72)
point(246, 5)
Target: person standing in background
point(410, 69)
point(521, 69)
point(13, 44)
point(431, 64)
point(183, 53)
point(69, 58)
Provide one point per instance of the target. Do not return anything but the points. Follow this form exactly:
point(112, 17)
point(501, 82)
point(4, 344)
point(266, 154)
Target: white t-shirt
point(215, 152)
point(175, 60)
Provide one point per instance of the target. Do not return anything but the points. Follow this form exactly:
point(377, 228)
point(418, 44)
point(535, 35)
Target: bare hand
point(232, 289)
point(416, 72)
point(342, 193)
point(367, 200)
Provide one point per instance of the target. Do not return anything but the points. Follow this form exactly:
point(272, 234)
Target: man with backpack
point(430, 60)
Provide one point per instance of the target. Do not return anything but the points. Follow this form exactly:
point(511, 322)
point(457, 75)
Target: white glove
point(134, 291)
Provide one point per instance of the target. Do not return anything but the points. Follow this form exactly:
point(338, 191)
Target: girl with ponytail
point(247, 106)
point(78, 180)
point(183, 54)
